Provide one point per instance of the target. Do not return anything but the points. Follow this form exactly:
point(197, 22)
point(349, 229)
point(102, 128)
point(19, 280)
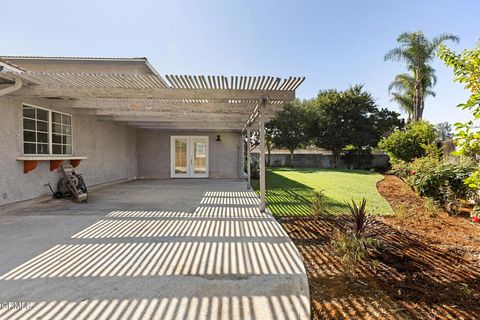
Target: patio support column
point(249, 169)
point(261, 125)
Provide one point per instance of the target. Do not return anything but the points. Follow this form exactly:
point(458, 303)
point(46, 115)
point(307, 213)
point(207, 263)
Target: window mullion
point(50, 129)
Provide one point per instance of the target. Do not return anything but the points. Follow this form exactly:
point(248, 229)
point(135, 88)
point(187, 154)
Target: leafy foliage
point(409, 143)
point(254, 168)
point(287, 128)
point(466, 70)
point(441, 180)
point(418, 52)
point(338, 119)
point(318, 204)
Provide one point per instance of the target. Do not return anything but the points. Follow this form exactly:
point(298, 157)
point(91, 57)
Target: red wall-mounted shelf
point(31, 162)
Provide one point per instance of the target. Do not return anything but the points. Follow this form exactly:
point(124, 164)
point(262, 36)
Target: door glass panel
point(181, 160)
point(199, 157)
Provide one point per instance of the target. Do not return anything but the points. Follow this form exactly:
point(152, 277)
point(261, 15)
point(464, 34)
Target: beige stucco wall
point(110, 148)
point(153, 153)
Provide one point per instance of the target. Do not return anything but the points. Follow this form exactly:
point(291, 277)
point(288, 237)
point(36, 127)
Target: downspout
point(15, 87)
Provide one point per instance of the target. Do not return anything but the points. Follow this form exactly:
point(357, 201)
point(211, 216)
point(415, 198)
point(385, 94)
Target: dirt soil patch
point(427, 268)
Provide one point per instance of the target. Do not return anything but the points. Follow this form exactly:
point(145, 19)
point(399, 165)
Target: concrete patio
point(151, 249)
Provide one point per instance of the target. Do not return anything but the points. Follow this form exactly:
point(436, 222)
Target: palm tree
point(445, 131)
point(418, 51)
point(404, 84)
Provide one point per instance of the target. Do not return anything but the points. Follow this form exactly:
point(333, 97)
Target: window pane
point(56, 117)
point(42, 126)
point(56, 149)
point(29, 112)
point(42, 114)
point(36, 125)
point(66, 119)
point(56, 138)
point(29, 136)
point(42, 148)
point(67, 140)
point(66, 129)
point(29, 148)
point(42, 137)
point(56, 128)
point(28, 124)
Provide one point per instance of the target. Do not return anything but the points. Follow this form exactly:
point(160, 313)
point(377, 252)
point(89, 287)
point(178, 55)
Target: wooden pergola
point(176, 102)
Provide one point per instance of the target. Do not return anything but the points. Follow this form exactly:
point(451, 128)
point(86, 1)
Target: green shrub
point(318, 203)
point(401, 169)
point(441, 180)
point(409, 143)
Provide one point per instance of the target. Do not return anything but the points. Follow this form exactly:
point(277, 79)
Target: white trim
point(51, 157)
point(192, 173)
point(189, 170)
point(49, 130)
point(173, 174)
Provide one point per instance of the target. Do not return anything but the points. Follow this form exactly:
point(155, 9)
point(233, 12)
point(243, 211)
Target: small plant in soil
point(317, 204)
point(431, 207)
point(355, 239)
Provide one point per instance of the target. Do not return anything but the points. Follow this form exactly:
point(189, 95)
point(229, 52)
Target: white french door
point(189, 157)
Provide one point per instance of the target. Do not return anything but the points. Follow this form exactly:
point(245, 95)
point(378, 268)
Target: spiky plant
point(360, 224)
point(356, 239)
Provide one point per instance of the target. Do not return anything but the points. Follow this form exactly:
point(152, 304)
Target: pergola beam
point(188, 125)
point(194, 118)
point(154, 93)
point(146, 105)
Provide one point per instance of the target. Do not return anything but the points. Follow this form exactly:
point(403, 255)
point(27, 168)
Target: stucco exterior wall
point(153, 153)
point(110, 148)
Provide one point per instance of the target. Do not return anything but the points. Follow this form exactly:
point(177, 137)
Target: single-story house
point(118, 118)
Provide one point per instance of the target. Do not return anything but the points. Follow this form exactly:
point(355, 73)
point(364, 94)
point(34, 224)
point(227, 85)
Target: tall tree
point(418, 52)
point(444, 130)
point(350, 118)
point(404, 94)
point(287, 128)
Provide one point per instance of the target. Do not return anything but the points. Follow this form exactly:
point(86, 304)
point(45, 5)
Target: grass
point(289, 190)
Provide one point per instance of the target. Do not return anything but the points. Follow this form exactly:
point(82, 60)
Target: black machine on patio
point(71, 186)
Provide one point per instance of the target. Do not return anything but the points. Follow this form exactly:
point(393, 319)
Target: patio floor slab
point(151, 249)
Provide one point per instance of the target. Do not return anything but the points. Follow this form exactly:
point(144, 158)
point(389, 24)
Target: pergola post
point(249, 169)
point(261, 125)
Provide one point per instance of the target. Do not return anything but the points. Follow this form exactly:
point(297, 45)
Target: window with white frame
point(46, 132)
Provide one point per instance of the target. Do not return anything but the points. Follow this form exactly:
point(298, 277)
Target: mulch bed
point(426, 268)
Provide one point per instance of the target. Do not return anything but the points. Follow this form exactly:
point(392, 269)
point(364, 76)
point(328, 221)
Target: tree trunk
point(291, 158)
point(422, 107)
point(417, 104)
point(336, 158)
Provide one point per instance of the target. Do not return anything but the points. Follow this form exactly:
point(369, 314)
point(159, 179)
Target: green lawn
point(289, 190)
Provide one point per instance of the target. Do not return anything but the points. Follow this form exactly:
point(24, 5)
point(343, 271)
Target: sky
point(334, 44)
